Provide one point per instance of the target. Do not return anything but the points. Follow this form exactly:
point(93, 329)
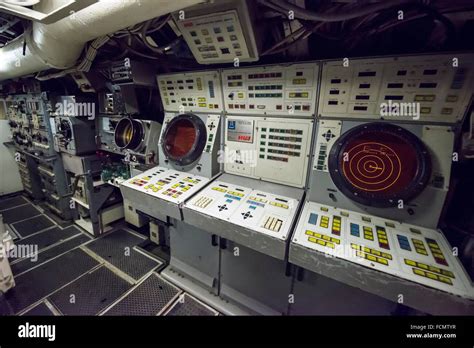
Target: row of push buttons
point(203, 202)
point(336, 225)
point(324, 221)
point(382, 236)
point(322, 239)
point(419, 246)
point(368, 233)
point(232, 197)
point(433, 276)
point(436, 251)
point(256, 203)
point(373, 258)
point(279, 205)
point(273, 224)
point(371, 251)
point(429, 268)
point(172, 193)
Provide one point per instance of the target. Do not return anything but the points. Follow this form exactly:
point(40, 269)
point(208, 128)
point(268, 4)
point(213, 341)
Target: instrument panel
point(257, 210)
point(422, 88)
point(414, 253)
point(166, 184)
point(187, 92)
point(271, 149)
point(288, 90)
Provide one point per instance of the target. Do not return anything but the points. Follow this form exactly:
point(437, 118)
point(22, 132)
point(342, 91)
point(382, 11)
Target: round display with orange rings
point(379, 164)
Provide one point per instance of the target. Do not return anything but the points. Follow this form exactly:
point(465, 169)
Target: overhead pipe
point(59, 45)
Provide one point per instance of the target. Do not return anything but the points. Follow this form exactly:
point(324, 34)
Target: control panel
point(398, 171)
point(219, 32)
point(260, 211)
point(166, 184)
point(423, 88)
point(191, 92)
point(407, 251)
point(270, 149)
point(288, 90)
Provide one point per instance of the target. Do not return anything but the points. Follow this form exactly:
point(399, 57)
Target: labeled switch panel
point(410, 252)
point(219, 37)
point(167, 184)
point(274, 150)
point(328, 132)
point(188, 92)
point(288, 90)
point(423, 88)
point(257, 210)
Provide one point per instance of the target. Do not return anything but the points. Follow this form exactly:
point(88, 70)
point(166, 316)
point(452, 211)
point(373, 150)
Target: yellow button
point(322, 242)
point(330, 245)
point(432, 276)
point(326, 237)
point(410, 262)
point(371, 257)
point(419, 272)
point(387, 256)
point(422, 265)
point(382, 261)
point(309, 233)
point(312, 239)
point(447, 273)
point(445, 280)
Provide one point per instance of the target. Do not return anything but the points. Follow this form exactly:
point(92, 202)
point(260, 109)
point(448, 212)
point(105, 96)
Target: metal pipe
point(59, 45)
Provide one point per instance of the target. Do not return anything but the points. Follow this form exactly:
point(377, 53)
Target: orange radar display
point(380, 165)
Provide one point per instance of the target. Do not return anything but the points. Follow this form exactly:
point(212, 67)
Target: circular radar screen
point(380, 164)
point(184, 139)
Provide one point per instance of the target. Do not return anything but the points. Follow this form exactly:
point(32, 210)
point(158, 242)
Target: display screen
point(379, 163)
point(180, 138)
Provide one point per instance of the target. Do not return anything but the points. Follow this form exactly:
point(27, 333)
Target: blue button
point(355, 230)
point(253, 207)
point(313, 218)
point(228, 201)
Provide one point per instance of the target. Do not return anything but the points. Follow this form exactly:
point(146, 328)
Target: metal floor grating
point(149, 298)
point(189, 306)
point(119, 252)
point(40, 282)
point(22, 212)
point(46, 255)
point(47, 238)
point(92, 293)
point(11, 202)
point(121, 238)
point(28, 227)
point(40, 310)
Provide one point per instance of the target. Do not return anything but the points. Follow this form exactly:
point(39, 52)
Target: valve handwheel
point(380, 164)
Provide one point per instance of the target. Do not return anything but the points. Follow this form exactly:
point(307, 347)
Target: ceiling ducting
point(59, 45)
